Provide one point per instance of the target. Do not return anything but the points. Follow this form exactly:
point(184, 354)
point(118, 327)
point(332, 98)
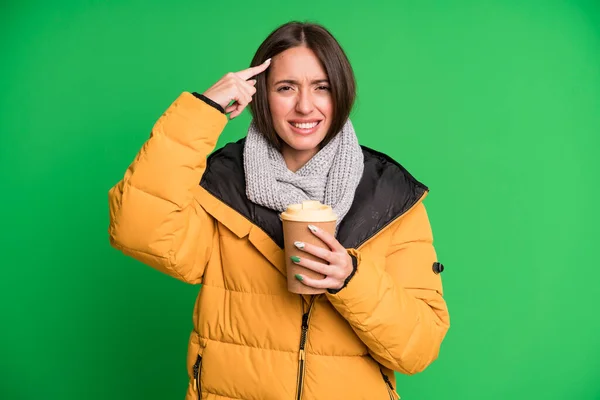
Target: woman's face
point(300, 101)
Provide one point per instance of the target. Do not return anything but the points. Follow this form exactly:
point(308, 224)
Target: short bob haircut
point(334, 62)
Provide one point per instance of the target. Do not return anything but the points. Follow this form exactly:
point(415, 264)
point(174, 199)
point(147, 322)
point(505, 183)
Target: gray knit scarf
point(331, 176)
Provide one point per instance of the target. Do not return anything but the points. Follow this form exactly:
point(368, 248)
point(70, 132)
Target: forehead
point(298, 63)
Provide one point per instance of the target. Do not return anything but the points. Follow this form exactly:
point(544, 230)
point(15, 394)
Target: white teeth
point(305, 126)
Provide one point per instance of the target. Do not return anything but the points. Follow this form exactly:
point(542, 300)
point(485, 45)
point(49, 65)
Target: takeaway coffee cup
point(295, 220)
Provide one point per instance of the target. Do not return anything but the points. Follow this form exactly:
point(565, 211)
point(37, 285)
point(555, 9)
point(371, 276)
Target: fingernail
point(299, 277)
point(299, 245)
point(268, 60)
point(313, 228)
point(295, 259)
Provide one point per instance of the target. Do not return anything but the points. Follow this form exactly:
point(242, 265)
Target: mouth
point(305, 127)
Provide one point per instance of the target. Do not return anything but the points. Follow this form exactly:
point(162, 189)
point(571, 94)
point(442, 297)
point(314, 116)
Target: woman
point(215, 221)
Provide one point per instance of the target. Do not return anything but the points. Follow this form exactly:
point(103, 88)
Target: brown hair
point(334, 61)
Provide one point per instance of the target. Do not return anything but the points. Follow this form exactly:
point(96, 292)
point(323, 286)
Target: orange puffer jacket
point(185, 213)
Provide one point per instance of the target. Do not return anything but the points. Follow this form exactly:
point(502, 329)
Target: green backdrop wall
point(493, 104)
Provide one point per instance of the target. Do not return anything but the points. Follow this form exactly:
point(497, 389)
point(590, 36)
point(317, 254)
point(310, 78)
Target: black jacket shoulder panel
point(385, 192)
point(225, 179)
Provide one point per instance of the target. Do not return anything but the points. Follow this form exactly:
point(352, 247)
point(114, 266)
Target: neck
point(296, 159)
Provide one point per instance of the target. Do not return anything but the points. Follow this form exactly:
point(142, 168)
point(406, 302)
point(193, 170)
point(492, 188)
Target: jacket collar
point(386, 191)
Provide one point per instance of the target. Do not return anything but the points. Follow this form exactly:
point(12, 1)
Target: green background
point(493, 104)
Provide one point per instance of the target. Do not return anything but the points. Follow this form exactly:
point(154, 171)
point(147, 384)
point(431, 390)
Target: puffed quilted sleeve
point(154, 215)
point(397, 309)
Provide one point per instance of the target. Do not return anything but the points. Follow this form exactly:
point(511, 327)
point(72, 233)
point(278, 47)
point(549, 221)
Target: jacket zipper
point(197, 366)
point(390, 387)
point(302, 353)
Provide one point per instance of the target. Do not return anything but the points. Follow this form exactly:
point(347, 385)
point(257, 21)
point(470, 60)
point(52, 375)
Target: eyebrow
point(293, 82)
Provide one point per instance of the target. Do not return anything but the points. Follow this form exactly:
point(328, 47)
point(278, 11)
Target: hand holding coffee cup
point(315, 260)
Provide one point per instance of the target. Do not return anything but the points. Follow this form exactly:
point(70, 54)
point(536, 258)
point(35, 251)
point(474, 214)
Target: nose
point(304, 103)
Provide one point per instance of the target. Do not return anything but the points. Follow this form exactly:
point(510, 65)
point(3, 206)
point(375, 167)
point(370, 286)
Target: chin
point(303, 144)
point(301, 141)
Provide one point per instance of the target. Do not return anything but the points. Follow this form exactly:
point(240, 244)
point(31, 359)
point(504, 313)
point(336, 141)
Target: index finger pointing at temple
point(246, 74)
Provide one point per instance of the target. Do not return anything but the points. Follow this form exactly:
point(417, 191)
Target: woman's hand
point(339, 265)
point(235, 86)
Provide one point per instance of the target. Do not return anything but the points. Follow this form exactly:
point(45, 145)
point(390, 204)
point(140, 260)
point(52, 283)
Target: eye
point(323, 87)
point(284, 88)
